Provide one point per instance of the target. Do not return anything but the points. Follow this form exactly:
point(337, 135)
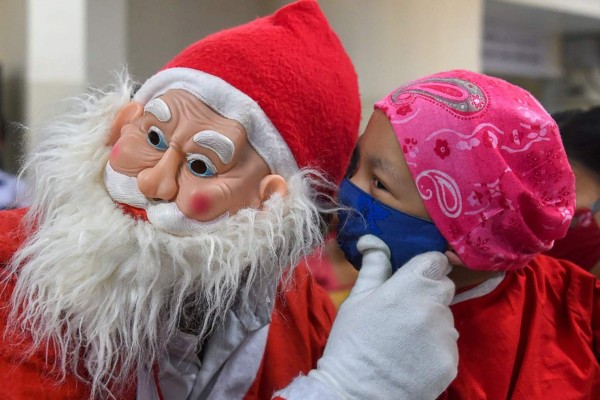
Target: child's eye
point(156, 139)
point(378, 185)
point(200, 165)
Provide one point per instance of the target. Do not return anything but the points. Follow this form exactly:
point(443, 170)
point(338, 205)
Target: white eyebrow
point(217, 142)
point(159, 109)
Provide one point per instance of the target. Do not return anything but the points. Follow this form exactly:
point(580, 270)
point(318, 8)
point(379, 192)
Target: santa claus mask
point(186, 165)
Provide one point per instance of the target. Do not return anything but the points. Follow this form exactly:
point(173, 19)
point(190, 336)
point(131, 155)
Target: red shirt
point(535, 336)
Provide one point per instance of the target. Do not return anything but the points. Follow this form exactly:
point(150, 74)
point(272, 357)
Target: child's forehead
point(378, 147)
point(392, 167)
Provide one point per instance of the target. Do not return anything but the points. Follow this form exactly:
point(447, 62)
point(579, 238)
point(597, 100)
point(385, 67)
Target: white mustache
point(165, 216)
point(124, 189)
point(168, 218)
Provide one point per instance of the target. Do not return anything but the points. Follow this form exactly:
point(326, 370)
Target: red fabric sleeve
point(32, 377)
point(596, 320)
point(11, 233)
point(300, 325)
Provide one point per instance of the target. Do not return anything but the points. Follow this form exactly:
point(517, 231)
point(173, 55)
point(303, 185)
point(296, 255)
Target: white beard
point(97, 283)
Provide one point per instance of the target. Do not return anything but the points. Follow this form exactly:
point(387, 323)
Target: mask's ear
point(125, 115)
point(271, 184)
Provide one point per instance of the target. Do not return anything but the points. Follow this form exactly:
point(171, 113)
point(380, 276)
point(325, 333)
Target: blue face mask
point(405, 235)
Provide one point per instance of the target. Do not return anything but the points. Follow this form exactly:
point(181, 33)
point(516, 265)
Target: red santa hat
point(286, 78)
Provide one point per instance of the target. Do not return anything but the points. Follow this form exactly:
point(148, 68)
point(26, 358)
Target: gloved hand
point(393, 337)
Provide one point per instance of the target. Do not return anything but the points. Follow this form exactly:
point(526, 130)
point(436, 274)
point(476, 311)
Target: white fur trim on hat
point(230, 103)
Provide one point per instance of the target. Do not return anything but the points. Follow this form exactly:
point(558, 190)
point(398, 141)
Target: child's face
point(381, 170)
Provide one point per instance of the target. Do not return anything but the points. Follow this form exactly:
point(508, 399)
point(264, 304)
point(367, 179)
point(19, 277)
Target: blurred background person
point(10, 193)
point(580, 132)
point(7, 181)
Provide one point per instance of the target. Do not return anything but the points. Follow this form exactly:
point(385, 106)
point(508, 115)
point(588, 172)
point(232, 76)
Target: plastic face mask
point(405, 235)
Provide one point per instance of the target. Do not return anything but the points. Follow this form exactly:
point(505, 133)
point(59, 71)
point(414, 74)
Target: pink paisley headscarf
point(489, 165)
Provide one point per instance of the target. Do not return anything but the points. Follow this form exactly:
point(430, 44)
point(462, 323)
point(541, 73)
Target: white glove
point(393, 338)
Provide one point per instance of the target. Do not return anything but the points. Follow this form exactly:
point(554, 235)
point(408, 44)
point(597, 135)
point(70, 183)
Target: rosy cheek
point(200, 203)
point(114, 154)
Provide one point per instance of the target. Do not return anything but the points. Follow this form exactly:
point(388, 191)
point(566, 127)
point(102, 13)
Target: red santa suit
point(542, 322)
point(250, 358)
point(286, 121)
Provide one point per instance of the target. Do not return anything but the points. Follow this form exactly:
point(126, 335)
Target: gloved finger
point(438, 272)
point(372, 242)
point(376, 266)
point(426, 274)
point(432, 265)
point(443, 291)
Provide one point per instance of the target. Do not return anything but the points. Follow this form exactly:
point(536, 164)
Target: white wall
point(56, 54)
point(106, 45)
point(392, 42)
point(157, 30)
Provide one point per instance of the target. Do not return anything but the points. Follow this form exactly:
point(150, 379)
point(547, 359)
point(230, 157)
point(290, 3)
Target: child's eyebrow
point(385, 166)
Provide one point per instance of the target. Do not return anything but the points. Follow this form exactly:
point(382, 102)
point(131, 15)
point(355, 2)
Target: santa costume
point(282, 78)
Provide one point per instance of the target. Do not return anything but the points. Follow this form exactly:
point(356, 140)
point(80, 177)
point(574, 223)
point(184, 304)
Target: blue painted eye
point(200, 165)
point(157, 139)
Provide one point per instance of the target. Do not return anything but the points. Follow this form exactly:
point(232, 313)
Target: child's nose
point(160, 181)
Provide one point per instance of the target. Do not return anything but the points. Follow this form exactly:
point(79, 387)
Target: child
point(473, 164)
